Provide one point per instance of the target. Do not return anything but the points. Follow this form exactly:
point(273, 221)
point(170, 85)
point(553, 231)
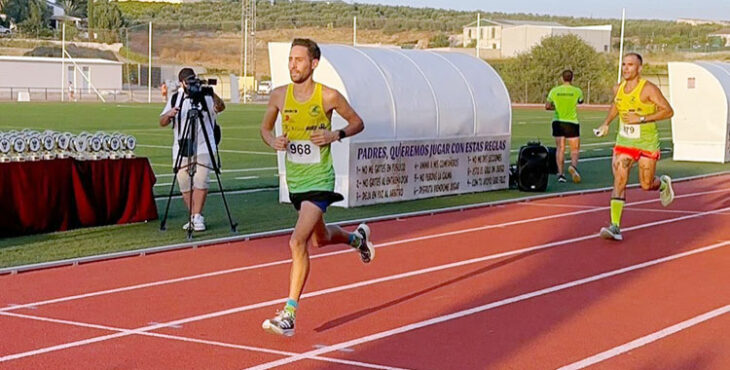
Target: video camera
point(197, 88)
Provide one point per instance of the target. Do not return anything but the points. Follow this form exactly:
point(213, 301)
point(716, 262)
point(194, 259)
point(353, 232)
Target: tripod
point(188, 145)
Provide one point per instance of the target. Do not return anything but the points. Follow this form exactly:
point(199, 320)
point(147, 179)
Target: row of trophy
point(30, 145)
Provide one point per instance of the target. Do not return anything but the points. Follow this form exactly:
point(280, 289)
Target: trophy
point(34, 147)
point(49, 145)
point(115, 146)
point(80, 147)
point(63, 143)
point(129, 143)
point(18, 146)
point(95, 144)
point(5, 147)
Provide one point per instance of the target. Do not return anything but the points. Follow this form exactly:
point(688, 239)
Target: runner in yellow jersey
point(639, 104)
point(306, 111)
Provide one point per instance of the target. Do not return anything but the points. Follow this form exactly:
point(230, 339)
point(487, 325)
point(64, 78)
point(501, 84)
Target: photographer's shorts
point(566, 129)
point(200, 179)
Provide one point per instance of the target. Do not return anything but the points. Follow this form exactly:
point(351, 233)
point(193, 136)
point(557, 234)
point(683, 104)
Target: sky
point(637, 9)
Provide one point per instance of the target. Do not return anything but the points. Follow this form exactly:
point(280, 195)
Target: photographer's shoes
point(198, 223)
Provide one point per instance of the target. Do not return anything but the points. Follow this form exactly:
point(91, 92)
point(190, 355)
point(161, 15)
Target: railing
point(53, 94)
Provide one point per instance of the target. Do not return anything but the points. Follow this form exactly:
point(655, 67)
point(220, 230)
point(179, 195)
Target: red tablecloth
point(64, 194)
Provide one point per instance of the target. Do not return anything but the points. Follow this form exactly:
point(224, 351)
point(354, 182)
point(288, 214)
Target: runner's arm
point(663, 109)
point(267, 123)
point(333, 100)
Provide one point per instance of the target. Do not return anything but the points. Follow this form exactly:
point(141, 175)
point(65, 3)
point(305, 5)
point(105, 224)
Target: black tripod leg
point(176, 168)
point(217, 171)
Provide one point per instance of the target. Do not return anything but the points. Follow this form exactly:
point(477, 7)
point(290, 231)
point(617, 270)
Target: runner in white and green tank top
point(306, 110)
point(639, 104)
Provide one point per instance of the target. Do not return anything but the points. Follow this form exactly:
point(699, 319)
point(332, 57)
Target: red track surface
point(513, 286)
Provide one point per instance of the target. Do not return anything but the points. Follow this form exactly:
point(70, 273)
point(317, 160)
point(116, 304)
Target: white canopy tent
point(700, 96)
point(414, 103)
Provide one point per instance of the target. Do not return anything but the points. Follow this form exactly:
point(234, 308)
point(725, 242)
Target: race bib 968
point(302, 152)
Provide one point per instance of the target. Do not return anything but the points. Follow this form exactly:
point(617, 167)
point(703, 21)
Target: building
point(699, 22)
point(58, 15)
point(507, 38)
point(724, 34)
point(45, 73)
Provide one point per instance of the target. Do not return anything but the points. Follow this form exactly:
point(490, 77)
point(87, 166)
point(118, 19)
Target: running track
point(523, 285)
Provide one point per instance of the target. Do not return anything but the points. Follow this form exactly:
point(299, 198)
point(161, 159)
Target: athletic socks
point(355, 240)
point(617, 206)
point(291, 307)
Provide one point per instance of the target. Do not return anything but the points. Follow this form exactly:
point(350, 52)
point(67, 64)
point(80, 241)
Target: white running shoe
point(281, 324)
point(666, 193)
point(198, 223)
point(366, 248)
point(612, 232)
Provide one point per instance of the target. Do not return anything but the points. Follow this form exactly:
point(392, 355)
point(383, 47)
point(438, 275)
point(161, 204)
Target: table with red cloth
point(63, 194)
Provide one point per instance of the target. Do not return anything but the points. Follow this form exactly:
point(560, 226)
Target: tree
point(530, 76)
point(36, 18)
point(441, 40)
point(105, 16)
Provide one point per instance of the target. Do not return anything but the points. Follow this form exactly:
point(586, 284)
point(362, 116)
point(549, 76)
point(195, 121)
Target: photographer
point(176, 112)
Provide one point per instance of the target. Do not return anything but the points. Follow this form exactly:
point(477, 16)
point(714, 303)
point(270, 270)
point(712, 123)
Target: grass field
point(249, 175)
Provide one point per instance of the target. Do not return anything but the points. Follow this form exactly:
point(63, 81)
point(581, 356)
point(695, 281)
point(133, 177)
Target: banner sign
point(383, 172)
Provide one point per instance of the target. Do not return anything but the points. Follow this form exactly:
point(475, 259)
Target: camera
point(199, 88)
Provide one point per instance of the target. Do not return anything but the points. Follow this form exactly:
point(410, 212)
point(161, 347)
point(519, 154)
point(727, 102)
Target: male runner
point(306, 108)
point(639, 104)
point(563, 99)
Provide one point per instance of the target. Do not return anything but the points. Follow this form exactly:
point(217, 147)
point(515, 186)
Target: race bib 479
point(630, 131)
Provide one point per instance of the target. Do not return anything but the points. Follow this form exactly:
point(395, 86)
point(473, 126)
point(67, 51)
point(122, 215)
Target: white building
point(724, 34)
point(45, 73)
point(514, 37)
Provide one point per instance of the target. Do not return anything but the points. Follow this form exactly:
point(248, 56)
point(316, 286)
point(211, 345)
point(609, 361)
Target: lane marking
point(168, 147)
point(653, 337)
point(191, 340)
point(489, 306)
point(323, 255)
point(392, 278)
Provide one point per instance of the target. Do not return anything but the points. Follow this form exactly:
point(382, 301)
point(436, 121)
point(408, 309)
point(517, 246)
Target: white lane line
point(262, 169)
point(346, 287)
point(323, 255)
point(602, 143)
point(246, 177)
point(189, 339)
point(168, 147)
point(653, 337)
point(489, 306)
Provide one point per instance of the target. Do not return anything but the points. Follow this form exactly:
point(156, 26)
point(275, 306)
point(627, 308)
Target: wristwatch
point(342, 134)
point(642, 119)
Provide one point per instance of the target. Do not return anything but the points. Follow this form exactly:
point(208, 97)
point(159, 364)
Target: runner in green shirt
point(563, 99)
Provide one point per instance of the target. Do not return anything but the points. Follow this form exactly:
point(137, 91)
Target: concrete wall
point(521, 39)
point(29, 72)
point(491, 36)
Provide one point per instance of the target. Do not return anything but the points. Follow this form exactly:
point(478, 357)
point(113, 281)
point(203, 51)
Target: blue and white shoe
point(366, 248)
point(281, 324)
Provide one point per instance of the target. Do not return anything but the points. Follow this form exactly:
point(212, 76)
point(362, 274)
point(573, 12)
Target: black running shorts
point(566, 129)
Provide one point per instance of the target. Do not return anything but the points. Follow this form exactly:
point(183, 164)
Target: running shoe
point(198, 223)
point(666, 193)
point(367, 249)
point(612, 232)
point(561, 178)
point(574, 173)
point(281, 324)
